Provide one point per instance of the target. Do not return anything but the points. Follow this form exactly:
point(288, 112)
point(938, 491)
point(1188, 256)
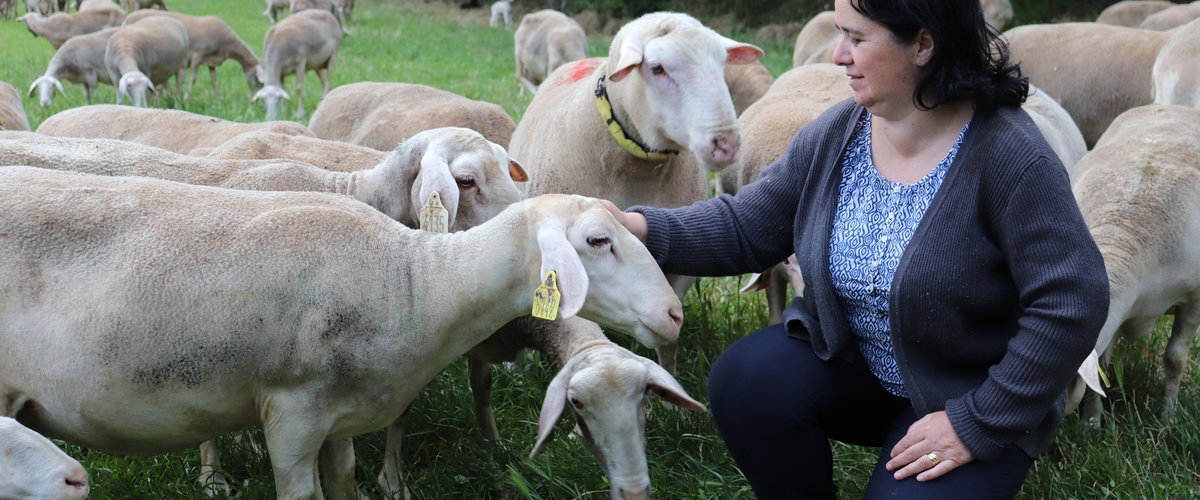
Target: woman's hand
point(633, 221)
point(930, 449)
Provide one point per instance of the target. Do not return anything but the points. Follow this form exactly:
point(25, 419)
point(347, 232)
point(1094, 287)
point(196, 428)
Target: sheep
point(747, 83)
point(210, 42)
point(545, 40)
point(60, 27)
point(816, 40)
point(473, 176)
point(1095, 71)
point(173, 130)
point(501, 11)
point(380, 115)
point(32, 467)
point(1176, 75)
point(303, 41)
point(335, 156)
point(42, 7)
point(8, 8)
point(1130, 13)
point(1171, 17)
point(998, 13)
point(345, 10)
point(12, 112)
point(81, 5)
point(1140, 196)
point(277, 324)
point(274, 7)
point(1057, 127)
point(132, 5)
point(80, 60)
point(141, 55)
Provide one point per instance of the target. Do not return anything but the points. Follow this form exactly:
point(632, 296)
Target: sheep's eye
point(657, 69)
point(465, 181)
point(599, 241)
point(575, 402)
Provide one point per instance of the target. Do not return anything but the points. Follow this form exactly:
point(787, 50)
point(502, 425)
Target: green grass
point(1137, 456)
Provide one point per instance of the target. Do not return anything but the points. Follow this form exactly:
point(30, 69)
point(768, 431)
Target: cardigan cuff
point(656, 233)
point(982, 446)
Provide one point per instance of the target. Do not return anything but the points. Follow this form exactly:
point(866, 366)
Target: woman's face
point(883, 71)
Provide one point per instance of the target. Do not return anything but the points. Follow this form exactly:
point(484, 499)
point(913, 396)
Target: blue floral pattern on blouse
point(874, 222)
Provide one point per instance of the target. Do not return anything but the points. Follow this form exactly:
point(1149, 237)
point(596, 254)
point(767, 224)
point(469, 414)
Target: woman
point(952, 288)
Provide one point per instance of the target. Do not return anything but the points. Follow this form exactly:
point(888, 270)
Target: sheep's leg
point(479, 373)
point(212, 75)
point(323, 75)
point(337, 469)
point(193, 65)
point(210, 463)
point(180, 76)
point(777, 299)
point(294, 439)
point(391, 479)
point(1187, 320)
point(299, 85)
point(89, 86)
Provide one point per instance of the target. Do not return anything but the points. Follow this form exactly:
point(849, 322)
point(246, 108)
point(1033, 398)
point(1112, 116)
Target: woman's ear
point(924, 48)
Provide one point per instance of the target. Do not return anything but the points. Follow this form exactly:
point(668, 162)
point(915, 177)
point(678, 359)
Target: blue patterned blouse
point(875, 220)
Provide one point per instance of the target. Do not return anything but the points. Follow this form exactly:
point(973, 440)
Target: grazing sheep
point(80, 60)
point(8, 8)
point(1131, 13)
point(1095, 71)
point(81, 5)
point(816, 40)
point(210, 43)
point(545, 40)
point(12, 112)
point(274, 7)
point(60, 27)
point(747, 83)
point(1171, 17)
point(501, 12)
point(32, 467)
point(170, 129)
point(1140, 195)
point(41, 7)
point(345, 10)
point(132, 5)
point(998, 13)
point(146, 54)
point(1176, 72)
point(335, 156)
point(304, 41)
point(325, 339)
point(1057, 127)
point(380, 115)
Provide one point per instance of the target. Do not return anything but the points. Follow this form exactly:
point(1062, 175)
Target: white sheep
point(170, 129)
point(1171, 17)
point(545, 40)
point(42, 7)
point(345, 10)
point(80, 60)
point(1176, 71)
point(747, 83)
point(12, 112)
point(60, 27)
point(146, 54)
point(335, 156)
point(1095, 71)
point(473, 176)
point(210, 43)
point(501, 13)
point(1056, 125)
point(132, 5)
point(327, 5)
point(81, 5)
point(1131, 13)
point(33, 467)
point(312, 314)
point(380, 115)
point(304, 41)
point(1140, 195)
point(816, 40)
point(997, 13)
point(274, 7)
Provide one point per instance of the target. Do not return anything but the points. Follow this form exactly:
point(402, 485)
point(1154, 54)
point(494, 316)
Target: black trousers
point(777, 405)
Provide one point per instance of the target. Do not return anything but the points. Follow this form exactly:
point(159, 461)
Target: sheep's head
point(255, 77)
point(134, 84)
point(270, 96)
point(45, 86)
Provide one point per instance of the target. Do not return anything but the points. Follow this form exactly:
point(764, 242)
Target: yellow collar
point(618, 133)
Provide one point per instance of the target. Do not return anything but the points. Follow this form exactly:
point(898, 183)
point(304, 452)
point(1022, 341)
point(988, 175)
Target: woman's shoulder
point(1008, 137)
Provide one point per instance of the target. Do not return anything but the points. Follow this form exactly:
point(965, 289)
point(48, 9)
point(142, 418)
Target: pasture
point(1136, 455)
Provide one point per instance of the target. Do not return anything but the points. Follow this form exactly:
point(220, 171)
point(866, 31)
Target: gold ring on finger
point(933, 458)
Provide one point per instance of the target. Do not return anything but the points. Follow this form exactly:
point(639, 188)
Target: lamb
point(501, 11)
point(747, 83)
point(336, 355)
point(1176, 75)
point(1171, 17)
point(545, 40)
point(380, 115)
point(141, 55)
point(1131, 13)
point(274, 7)
point(60, 27)
point(474, 177)
point(210, 42)
point(1140, 196)
point(132, 5)
point(32, 467)
point(335, 156)
point(998, 13)
point(80, 60)
point(816, 40)
point(12, 112)
point(173, 130)
point(1095, 71)
point(307, 40)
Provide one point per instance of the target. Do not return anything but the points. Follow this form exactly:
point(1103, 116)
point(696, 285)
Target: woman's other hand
point(929, 450)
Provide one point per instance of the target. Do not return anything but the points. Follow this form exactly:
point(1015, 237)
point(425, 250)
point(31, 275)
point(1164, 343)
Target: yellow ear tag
point(434, 217)
point(1103, 377)
point(547, 297)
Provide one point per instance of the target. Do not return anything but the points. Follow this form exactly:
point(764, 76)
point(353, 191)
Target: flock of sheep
point(308, 294)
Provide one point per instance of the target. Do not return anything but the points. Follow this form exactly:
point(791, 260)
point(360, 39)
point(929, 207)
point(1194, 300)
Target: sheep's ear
point(435, 175)
point(33, 85)
point(741, 53)
point(516, 171)
point(58, 85)
point(631, 57)
point(552, 405)
point(150, 86)
point(559, 255)
point(667, 388)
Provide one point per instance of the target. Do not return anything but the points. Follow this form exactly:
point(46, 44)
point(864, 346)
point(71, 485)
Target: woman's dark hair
point(970, 59)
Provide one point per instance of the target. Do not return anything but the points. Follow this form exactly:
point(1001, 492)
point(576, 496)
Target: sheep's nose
point(76, 482)
point(725, 149)
point(676, 314)
point(641, 494)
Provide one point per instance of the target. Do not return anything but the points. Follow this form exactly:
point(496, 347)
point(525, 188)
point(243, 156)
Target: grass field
point(1136, 456)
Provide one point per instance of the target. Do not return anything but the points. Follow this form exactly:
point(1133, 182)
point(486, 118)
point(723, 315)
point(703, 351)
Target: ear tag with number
point(434, 217)
point(547, 297)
